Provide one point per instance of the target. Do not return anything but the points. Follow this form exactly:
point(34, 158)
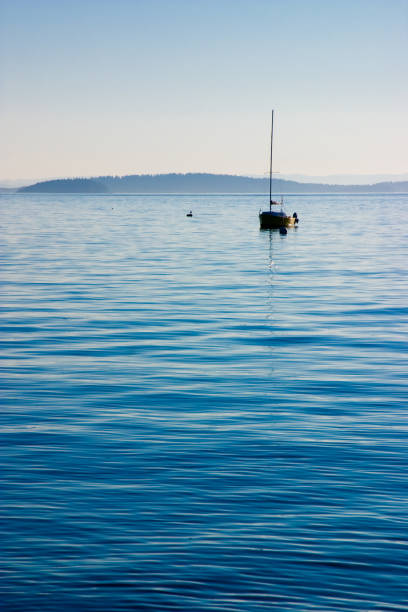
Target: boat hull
point(275, 220)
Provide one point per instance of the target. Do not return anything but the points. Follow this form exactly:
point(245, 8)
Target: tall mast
point(270, 169)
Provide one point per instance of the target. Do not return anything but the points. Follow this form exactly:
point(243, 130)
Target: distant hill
point(76, 185)
point(200, 183)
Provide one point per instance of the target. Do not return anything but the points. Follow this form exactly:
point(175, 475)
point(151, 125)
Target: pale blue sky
point(131, 86)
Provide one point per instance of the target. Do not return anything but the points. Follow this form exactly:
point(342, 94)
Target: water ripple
point(199, 415)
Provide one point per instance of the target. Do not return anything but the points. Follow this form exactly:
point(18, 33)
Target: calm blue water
point(200, 416)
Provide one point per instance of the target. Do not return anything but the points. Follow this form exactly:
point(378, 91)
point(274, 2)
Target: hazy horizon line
point(340, 178)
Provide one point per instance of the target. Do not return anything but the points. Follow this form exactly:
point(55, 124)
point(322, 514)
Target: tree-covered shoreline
point(200, 183)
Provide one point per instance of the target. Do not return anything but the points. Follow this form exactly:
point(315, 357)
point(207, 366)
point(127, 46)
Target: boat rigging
point(271, 219)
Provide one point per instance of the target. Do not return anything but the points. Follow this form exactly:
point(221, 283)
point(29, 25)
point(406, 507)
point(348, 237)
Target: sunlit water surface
point(199, 415)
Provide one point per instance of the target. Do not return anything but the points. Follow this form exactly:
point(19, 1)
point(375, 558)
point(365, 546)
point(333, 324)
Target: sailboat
point(275, 219)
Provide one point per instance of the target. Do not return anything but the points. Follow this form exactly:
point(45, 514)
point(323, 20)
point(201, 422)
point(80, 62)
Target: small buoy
point(283, 231)
point(190, 214)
